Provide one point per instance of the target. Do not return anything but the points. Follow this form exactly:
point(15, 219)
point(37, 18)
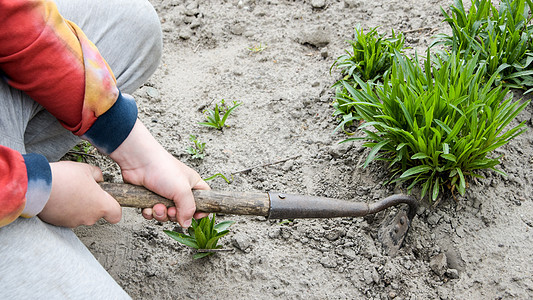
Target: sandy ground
point(478, 248)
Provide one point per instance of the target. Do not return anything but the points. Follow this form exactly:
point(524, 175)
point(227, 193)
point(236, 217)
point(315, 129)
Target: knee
point(144, 21)
point(139, 30)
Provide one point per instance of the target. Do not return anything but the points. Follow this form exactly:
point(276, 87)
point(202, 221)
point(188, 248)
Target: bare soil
point(478, 247)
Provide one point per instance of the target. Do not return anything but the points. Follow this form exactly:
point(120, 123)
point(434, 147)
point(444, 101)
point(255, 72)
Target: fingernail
point(187, 223)
point(159, 214)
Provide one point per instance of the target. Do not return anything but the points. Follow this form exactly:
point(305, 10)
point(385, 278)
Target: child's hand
point(76, 198)
point(145, 162)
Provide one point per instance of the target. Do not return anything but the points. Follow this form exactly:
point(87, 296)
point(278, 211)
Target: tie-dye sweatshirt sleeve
point(51, 60)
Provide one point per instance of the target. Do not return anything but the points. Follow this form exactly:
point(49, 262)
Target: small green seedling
point(81, 151)
point(213, 115)
point(203, 235)
point(257, 48)
point(221, 176)
point(198, 150)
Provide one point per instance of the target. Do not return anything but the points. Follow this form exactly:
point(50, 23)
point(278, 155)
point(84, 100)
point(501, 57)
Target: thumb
point(112, 209)
point(201, 185)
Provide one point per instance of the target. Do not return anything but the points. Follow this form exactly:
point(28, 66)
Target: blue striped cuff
point(39, 184)
point(114, 126)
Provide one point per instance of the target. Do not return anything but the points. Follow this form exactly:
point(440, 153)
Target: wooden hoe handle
point(237, 203)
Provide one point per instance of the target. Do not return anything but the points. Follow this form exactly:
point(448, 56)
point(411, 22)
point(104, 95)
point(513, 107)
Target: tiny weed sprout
point(435, 124)
point(203, 235)
point(198, 150)
point(221, 176)
point(370, 57)
point(257, 48)
point(217, 117)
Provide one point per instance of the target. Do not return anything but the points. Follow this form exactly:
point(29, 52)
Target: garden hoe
point(280, 206)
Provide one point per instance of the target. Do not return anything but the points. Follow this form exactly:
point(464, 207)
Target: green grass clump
point(371, 55)
point(203, 235)
point(435, 124)
point(502, 37)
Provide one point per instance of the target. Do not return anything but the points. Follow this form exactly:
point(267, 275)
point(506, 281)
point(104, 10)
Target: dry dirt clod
point(242, 242)
point(328, 262)
point(439, 264)
point(318, 36)
point(452, 273)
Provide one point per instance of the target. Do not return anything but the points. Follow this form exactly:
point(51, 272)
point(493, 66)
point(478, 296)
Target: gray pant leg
point(40, 261)
point(44, 261)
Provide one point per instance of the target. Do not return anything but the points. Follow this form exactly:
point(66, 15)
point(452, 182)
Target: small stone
point(392, 295)
point(151, 92)
point(339, 149)
point(285, 232)
point(433, 219)
point(352, 233)
point(324, 53)
point(460, 231)
point(351, 3)
point(452, 273)
point(242, 242)
point(237, 29)
point(328, 262)
point(439, 264)
point(185, 33)
point(413, 40)
point(318, 3)
point(244, 4)
point(188, 20)
point(349, 253)
point(192, 5)
point(334, 234)
point(317, 37)
point(288, 166)
point(371, 275)
point(195, 24)
point(192, 9)
point(274, 233)
point(375, 276)
point(191, 12)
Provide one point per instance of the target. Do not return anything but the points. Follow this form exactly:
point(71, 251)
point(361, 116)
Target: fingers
point(184, 199)
point(172, 212)
point(200, 215)
point(185, 208)
point(201, 185)
point(159, 212)
point(148, 213)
